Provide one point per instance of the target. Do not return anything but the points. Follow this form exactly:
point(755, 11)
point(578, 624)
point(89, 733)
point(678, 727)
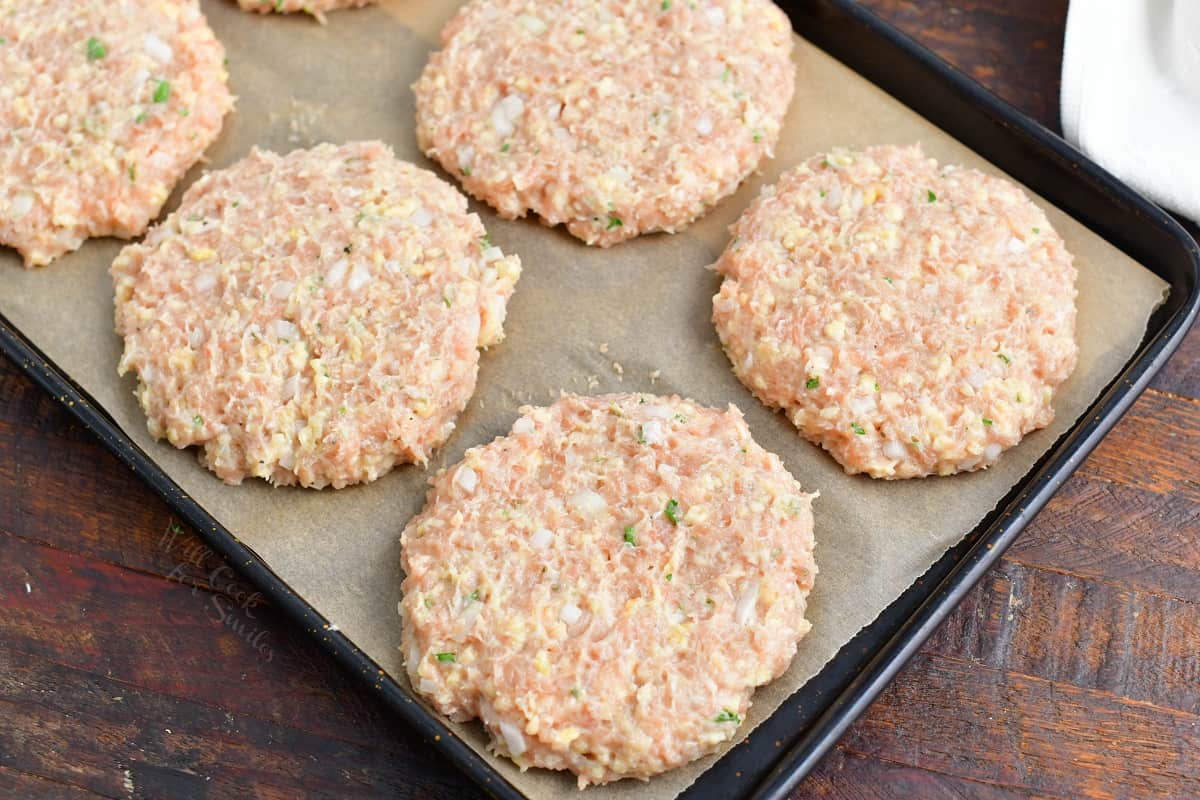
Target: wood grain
point(136, 665)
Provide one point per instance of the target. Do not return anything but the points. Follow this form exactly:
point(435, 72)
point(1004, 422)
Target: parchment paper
point(633, 318)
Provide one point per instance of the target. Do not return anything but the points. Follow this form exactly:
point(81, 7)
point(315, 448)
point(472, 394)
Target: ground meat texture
point(605, 586)
point(613, 119)
point(103, 107)
point(909, 318)
point(311, 318)
point(315, 7)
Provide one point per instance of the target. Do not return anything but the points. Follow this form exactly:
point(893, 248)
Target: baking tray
point(784, 748)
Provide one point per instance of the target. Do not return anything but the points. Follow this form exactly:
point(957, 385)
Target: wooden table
point(134, 663)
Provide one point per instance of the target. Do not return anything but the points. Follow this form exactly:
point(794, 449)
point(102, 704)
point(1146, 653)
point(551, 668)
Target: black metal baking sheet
point(815, 716)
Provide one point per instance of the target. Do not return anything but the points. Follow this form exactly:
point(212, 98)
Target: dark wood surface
point(133, 663)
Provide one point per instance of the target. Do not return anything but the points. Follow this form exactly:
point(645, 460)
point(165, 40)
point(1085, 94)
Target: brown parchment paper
point(648, 300)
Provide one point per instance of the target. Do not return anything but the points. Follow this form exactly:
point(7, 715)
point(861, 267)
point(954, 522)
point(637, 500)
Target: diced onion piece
point(532, 24)
point(206, 281)
point(743, 614)
point(493, 254)
point(421, 218)
point(336, 273)
point(289, 388)
point(653, 433)
point(283, 290)
point(286, 330)
point(992, 452)
point(466, 157)
point(466, 479)
point(704, 125)
point(157, 49)
point(21, 205)
point(570, 613)
point(894, 450)
point(541, 538)
point(523, 425)
point(587, 503)
point(427, 686)
point(656, 411)
point(1015, 245)
point(715, 14)
point(512, 739)
point(360, 276)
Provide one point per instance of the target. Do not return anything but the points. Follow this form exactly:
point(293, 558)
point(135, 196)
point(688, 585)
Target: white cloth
point(1131, 94)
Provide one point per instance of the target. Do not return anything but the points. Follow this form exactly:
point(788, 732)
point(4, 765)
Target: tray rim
point(993, 538)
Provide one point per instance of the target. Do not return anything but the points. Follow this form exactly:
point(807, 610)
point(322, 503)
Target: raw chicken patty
point(103, 107)
point(909, 318)
point(612, 118)
point(311, 318)
point(605, 586)
point(315, 7)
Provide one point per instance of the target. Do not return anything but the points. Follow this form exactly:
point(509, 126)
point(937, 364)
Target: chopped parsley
point(858, 429)
point(987, 421)
point(825, 163)
point(466, 171)
point(133, 172)
point(575, 692)
point(931, 197)
point(812, 382)
point(877, 386)
point(1037, 230)
point(670, 575)
point(198, 420)
point(758, 135)
point(96, 49)
point(726, 75)
point(641, 434)
point(630, 536)
point(140, 118)
point(728, 716)
point(183, 112)
point(162, 91)
point(486, 241)
point(680, 418)
point(504, 148)
point(889, 280)
point(446, 658)
point(822, 192)
point(672, 511)
point(342, 410)
point(1004, 358)
point(474, 596)
point(446, 300)
point(429, 602)
point(613, 222)
point(666, 5)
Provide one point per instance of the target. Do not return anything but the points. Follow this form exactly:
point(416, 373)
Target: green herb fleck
point(726, 75)
point(342, 410)
point(1020, 399)
point(613, 222)
point(812, 382)
point(575, 692)
point(504, 148)
point(728, 716)
point(666, 5)
point(987, 421)
point(486, 241)
point(630, 537)
point(429, 602)
point(889, 280)
point(641, 435)
point(1037, 230)
point(931, 197)
point(466, 171)
point(822, 192)
point(858, 429)
point(133, 172)
point(140, 118)
point(758, 135)
point(680, 418)
point(825, 163)
point(474, 596)
point(1004, 358)
point(446, 658)
point(162, 91)
point(183, 112)
point(670, 575)
point(446, 300)
point(96, 49)
point(877, 386)
point(198, 420)
point(672, 511)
